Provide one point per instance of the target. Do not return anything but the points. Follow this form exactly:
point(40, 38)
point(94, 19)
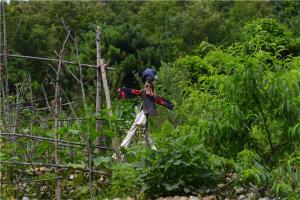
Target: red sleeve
point(164, 102)
point(136, 92)
point(126, 93)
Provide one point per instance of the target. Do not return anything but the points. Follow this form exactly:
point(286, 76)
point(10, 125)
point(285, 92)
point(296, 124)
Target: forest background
point(231, 68)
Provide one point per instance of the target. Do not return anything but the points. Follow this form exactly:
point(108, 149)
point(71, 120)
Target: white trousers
point(140, 121)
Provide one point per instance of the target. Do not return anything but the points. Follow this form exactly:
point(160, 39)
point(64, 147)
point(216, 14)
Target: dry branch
point(57, 112)
point(54, 60)
point(34, 137)
point(35, 180)
point(54, 165)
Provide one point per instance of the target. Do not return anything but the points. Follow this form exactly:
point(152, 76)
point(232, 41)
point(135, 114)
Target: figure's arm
point(164, 102)
point(126, 93)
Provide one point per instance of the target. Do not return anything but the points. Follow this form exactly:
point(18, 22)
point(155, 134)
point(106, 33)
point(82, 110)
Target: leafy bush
point(125, 182)
point(266, 34)
point(181, 167)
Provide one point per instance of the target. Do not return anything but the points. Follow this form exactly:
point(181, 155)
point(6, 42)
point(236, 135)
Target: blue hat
point(149, 74)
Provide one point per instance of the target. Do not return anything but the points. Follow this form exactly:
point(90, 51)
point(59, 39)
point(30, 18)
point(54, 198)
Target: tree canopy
point(230, 68)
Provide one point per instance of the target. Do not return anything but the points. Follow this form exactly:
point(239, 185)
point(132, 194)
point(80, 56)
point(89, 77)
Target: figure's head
point(149, 74)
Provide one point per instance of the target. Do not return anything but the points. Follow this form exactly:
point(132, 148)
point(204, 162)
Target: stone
point(239, 190)
point(242, 197)
point(253, 195)
point(193, 198)
point(211, 197)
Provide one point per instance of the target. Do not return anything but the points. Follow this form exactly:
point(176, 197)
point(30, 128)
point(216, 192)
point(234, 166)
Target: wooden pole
point(5, 50)
point(107, 95)
point(106, 89)
point(100, 139)
point(1, 80)
point(98, 87)
point(79, 65)
point(46, 98)
point(89, 146)
point(109, 108)
point(32, 104)
point(4, 66)
point(53, 60)
point(58, 181)
point(72, 109)
point(51, 140)
point(80, 76)
point(53, 165)
point(57, 122)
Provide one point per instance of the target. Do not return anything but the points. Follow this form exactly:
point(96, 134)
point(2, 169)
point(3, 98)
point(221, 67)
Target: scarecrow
point(149, 99)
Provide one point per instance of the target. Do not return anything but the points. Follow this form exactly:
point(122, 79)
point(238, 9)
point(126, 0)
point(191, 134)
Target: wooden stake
point(80, 76)
point(32, 104)
point(107, 97)
point(5, 52)
point(58, 181)
point(53, 60)
point(89, 146)
point(98, 87)
point(2, 121)
point(53, 165)
point(46, 98)
point(3, 67)
point(72, 109)
point(50, 140)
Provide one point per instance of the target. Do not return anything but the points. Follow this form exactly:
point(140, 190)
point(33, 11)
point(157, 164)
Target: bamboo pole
point(32, 181)
point(32, 104)
point(71, 107)
point(82, 119)
point(106, 89)
point(46, 98)
point(53, 60)
point(79, 65)
point(5, 52)
point(38, 109)
point(53, 165)
point(2, 122)
point(98, 87)
point(70, 71)
point(19, 92)
point(90, 167)
point(35, 100)
point(80, 76)
point(107, 97)
point(60, 142)
point(3, 66)
point(58, 182)
point(109, 108)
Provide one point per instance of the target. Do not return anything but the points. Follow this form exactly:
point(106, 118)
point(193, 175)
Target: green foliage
point(231, 69)
point(250, 169)
point(179, 167)
point(286, 178)
point(125, 182)
point(129, 50)
point(243, 100)
point(266, 35)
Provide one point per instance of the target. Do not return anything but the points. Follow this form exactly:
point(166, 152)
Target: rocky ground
point(212, 197)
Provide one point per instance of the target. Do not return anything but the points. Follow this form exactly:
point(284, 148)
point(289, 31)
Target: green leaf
point(74, 131)
point(186, 190)
point(76, 165)
point(101, 160)
point(177, 162)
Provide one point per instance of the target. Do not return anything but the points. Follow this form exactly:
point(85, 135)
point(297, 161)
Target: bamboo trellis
point(7, 109)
